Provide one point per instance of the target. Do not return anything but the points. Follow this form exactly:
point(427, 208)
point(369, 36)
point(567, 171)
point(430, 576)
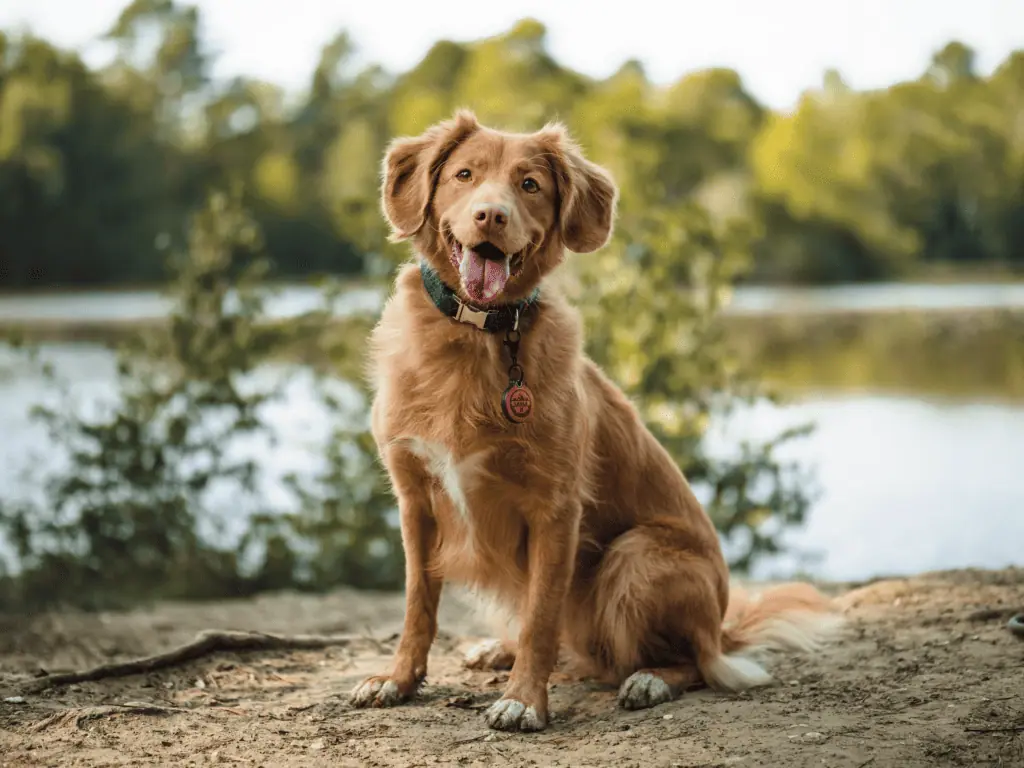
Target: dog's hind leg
point(498, 651)
point(650, 687)
point(491, 654)
point(653, 613)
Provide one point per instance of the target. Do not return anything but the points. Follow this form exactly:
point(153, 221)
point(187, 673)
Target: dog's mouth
point(485, 269)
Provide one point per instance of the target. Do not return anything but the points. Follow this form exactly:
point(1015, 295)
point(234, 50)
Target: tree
point(952, 65)
point(177, 66)
point(75, 158)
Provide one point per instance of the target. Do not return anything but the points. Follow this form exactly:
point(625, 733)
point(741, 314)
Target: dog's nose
point(489, 216)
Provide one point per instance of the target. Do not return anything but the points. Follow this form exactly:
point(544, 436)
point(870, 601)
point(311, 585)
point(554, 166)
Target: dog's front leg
point(552, 554)
point(422, 589)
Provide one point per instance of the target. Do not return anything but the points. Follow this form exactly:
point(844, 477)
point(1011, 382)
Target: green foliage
point(849, 186)
point(129, 514)
point(346, 512)
point(82, 197)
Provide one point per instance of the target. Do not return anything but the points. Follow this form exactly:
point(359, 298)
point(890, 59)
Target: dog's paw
point(490, 654)
point(377, 692)
point(513, 715)
point(643, 690)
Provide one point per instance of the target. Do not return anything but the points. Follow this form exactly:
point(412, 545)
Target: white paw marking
point(643, 690)
point(513, 715)
point(376, 692)
point(531, 721)
point(389, 693)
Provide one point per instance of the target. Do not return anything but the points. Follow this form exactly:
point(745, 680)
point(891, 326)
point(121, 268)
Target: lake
point(119, 306)
point(906, 484)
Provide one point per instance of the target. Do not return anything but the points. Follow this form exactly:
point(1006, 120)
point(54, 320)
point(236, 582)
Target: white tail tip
point(735, 673)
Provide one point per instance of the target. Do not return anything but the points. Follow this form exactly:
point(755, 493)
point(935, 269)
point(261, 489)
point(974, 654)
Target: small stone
point(811, 737)
point(316, 745)
point(667, 717)
point(15, 700)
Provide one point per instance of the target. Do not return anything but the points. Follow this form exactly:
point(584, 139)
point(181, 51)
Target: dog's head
point(494, 212)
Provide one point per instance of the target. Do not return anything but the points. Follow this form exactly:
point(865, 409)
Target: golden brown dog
point(534, 478)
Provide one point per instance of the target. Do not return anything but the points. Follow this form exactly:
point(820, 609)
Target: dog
point(519, 468)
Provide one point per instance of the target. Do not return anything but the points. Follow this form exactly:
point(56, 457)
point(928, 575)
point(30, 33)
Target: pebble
point(811, 737)
point(15, 700)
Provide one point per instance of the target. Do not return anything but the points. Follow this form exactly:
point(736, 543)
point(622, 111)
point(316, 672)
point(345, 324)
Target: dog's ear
point(587, 193)
point(411, 169)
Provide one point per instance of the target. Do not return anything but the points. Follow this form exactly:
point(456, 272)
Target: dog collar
point(498, 320)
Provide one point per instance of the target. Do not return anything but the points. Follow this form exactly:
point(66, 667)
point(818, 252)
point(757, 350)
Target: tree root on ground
point(204, 644)
point(79, 715)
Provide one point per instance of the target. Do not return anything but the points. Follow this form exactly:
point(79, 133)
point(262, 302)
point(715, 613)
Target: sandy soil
point(926, 675)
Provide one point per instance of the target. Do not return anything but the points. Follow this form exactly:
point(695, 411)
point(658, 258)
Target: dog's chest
point(480, 533)
point(457, 477)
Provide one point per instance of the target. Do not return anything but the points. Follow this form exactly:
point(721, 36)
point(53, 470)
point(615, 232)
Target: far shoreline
point(967, 278)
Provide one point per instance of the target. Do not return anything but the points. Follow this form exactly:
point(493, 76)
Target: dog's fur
point(578, 520)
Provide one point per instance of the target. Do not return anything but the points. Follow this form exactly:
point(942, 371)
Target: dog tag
point(517, 403)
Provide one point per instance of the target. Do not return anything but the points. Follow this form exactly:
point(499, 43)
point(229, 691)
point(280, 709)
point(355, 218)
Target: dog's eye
point(464, 175)
point(531, 186)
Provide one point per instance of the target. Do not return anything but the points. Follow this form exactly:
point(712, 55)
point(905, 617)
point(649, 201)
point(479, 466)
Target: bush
point(155, 499)
point(652, 303)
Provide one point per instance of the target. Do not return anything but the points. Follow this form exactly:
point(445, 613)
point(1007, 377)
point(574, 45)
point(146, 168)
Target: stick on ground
point(204, 644)
point(82, 714)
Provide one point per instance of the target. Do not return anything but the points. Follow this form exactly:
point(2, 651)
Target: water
point(906, 485)
point(294, 300)
point(878, 297)
point(121, 306)
point(87, 373)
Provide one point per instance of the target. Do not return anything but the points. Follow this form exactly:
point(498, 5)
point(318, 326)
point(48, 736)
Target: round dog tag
point(517, 403)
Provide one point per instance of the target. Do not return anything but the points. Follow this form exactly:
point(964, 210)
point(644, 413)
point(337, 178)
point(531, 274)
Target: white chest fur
point(458, 478)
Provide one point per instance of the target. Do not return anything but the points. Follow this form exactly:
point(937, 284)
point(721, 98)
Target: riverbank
point(926, 674)
point(938, 353)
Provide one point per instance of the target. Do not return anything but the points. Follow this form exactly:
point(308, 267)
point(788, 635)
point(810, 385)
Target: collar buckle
point(468, 314)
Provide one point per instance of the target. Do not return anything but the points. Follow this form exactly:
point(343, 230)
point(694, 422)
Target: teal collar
point(497, 320)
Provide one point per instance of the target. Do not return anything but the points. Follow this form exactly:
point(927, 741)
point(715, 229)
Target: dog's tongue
point(483, 278)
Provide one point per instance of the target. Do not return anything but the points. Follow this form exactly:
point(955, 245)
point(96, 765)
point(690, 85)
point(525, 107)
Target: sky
point(780, 47)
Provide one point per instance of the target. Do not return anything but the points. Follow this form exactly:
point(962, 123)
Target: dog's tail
point(789, 617)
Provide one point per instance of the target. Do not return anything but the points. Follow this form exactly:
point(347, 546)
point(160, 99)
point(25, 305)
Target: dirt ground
point(926, 674)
